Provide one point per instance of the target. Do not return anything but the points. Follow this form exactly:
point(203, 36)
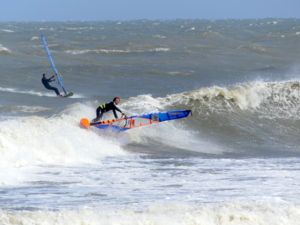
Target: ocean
point(234, 161)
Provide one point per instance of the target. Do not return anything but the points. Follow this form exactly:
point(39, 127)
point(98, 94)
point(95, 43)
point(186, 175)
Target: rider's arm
point(52, 78)
point(115, 114)
point(119, 110)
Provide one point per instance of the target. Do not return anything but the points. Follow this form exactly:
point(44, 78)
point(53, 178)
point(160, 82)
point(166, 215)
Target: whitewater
point(234, 161)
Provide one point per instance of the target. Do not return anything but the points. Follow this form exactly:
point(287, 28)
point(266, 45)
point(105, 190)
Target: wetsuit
point(46, 84)
point(105, 108)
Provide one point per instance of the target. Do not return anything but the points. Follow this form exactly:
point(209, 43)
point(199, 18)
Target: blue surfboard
point(131, 122)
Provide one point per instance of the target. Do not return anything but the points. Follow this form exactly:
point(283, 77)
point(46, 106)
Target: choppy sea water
point(235, 161)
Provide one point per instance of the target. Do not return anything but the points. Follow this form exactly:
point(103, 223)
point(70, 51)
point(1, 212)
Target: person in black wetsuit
point(46, 84)
point(107, 107)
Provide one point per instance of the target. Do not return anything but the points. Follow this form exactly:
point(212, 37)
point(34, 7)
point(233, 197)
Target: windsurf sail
point(124, 124)
point(59, 77)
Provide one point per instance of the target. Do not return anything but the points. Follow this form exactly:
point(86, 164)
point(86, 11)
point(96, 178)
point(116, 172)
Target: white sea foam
point(159, 36)
point(172, 214)
point(78, 28)
point(36, 93)
point(34, 38)
point(36, 140)
point(176, 135)
point(31, 109)
point(272, 22)
point(4, 50)
point(97, 51)
point(115, 51)
point(47, 28)
point(25, 108)
point(269, 99)
point(59, 140)
point(159, 50)
point(180, 73)
point(29, 92)
point(7, 31)
point(243, 96)
point(172, 133)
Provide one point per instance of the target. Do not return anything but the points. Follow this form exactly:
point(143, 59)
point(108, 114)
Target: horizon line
point(145, 19)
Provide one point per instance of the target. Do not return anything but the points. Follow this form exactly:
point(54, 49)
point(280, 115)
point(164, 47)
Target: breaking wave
point(230, 213)
point(4, 50)
point(29, 92)
point(244, 119)
point(225, 120)
point(36, 93)
point(35, 140)
point(114, 51)
point(7, 31)
point(268, 99)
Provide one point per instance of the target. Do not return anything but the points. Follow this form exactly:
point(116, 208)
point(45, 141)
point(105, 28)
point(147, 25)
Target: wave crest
point(115, 51)
point(4, 50)
point(272, 99)
point(173, 214)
